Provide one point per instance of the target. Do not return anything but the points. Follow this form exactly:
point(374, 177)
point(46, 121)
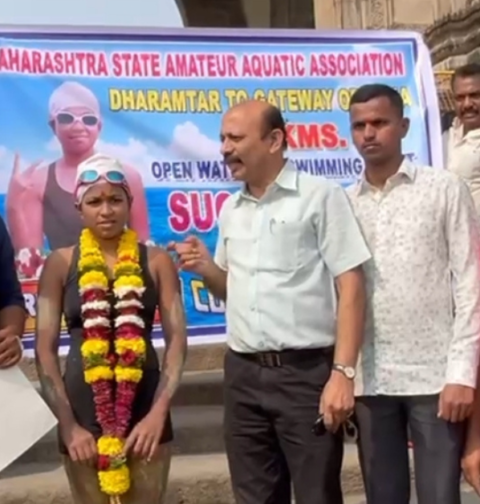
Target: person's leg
point(257, 466)
point(383, 449)
point(437, 451)
point(149, 479)
point(83, 481)
point(315, 462)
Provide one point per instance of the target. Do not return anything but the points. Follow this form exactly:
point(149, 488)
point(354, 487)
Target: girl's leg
point(83, 483)
point(149, 479)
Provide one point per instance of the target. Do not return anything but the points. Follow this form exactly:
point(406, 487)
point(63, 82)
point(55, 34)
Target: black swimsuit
point(78, 391)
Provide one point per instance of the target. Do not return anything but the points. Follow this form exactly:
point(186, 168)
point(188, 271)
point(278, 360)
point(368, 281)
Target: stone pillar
point(292, 13)
point(213, 13)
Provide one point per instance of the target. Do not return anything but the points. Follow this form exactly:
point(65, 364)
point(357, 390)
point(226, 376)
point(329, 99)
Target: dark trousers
point(437, 449)
point(269, 415)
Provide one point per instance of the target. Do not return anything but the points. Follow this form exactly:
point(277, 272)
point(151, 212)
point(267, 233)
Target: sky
point(151, 13)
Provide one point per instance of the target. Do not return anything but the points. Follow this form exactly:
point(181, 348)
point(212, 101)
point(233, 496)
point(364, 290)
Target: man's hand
point(10, 348)
point(80, 444)
point(193, 255)
point(337, 401)
point(471, 463)
point(144, 439)
point(456, 403)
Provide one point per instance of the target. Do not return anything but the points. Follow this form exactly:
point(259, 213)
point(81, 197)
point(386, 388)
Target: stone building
point(450, 27)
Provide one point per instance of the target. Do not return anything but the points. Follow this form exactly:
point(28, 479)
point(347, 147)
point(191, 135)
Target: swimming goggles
point(91, 176)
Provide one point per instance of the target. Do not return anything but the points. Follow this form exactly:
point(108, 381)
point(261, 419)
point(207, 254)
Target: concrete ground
point(468, 497)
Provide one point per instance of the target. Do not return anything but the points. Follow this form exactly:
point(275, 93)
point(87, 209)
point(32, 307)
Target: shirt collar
point(457, 132)
point(406, 171)
point(287, 179)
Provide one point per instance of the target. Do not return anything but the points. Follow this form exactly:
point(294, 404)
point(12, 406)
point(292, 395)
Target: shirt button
point(252, 308)
point(261, 344)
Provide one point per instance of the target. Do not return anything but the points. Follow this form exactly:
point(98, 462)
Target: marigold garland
point(113, 351)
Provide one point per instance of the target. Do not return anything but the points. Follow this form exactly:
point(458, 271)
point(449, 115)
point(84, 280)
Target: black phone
point(319, 428)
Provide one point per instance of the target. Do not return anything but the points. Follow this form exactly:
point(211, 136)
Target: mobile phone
point(319, 428)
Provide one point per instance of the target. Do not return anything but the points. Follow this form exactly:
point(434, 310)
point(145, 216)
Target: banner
point(155, 101)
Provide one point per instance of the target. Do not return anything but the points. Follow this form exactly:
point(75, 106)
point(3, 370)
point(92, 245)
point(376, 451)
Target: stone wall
point(248, 13)
point(454, 39)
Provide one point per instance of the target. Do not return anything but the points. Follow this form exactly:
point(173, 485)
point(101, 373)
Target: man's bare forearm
point(175, 331)
point(215, 280)
point(13, 316)
point(350, 321)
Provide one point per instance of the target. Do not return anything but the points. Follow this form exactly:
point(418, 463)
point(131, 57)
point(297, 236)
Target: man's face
point(377, 129)
point(77, 129)
point(466, 92)
point(105, 210)
point(245, 145)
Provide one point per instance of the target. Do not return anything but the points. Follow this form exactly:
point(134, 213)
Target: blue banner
point(155, 101)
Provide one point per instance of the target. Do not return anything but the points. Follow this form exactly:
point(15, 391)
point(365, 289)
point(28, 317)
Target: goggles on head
point(92, 175)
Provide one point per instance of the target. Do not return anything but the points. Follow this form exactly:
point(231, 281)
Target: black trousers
point(269, 415)
point(437, 449)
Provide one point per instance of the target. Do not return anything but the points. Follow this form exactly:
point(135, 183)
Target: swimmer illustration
point(40, 202)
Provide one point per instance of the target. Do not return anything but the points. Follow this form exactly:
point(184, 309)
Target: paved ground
point(468, 498)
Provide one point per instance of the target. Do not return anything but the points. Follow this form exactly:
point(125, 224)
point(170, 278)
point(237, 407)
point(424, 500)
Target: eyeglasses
point(66, 118)
point(91, 176)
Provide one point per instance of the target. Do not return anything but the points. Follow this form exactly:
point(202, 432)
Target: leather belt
point(286, 357)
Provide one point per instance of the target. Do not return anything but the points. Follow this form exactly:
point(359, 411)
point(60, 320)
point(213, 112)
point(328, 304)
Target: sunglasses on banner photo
point(91, 176)
point(66, 118)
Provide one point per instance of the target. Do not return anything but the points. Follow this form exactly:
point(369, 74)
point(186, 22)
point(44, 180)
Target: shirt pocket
point(281, 246)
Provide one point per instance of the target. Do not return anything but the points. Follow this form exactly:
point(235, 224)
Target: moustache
point(232, 159)
point(469, 111)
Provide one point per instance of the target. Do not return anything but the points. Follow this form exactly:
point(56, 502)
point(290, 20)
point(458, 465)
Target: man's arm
point(463, 240)
point(344, 251)
point(174, 331)
point(350, 316)
point(47, 334)
point(12, 302)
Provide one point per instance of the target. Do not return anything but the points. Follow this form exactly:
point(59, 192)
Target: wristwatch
point(347, 371)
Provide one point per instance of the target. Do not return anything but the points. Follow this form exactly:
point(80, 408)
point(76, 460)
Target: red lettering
point(129, 64)
point(178, 205)
point(313, 136)
point(202, 208)
point(195, 209)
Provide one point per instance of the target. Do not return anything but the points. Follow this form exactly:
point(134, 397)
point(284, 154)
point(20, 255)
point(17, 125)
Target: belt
point(286, 357)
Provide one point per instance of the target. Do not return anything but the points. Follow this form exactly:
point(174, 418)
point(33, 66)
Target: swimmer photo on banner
point(155, 102)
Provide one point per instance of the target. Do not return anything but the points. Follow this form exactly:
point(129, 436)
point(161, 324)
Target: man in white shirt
point(287, 241)
point(463, 143)
point(418, 364)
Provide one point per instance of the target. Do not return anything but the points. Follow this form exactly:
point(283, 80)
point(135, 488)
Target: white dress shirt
point(463, 158)
point(423, 233)
point(282, 252)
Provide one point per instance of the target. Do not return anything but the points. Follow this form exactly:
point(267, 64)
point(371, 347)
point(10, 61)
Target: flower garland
point(113, 353)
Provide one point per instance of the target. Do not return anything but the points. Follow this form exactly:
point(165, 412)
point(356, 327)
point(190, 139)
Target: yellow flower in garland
point(136, 345)
point(94, 347)
point(115, 481)
point(110, 446)
point(98, 373)
point(93, 279)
